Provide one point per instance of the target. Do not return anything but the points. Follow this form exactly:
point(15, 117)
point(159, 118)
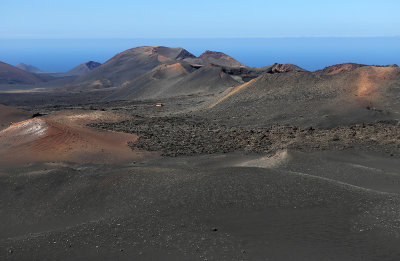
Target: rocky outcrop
point(339, 68)
point(282, 68)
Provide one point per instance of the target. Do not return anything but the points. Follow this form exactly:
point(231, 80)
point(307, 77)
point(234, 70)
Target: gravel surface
point(201, 208)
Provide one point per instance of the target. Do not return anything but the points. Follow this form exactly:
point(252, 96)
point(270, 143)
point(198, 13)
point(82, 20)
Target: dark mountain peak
point(92, 65)
point(83, 68)
point(185, 54)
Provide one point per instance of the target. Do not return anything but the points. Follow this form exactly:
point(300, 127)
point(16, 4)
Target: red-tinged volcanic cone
point(130, 64)
point(64, 136)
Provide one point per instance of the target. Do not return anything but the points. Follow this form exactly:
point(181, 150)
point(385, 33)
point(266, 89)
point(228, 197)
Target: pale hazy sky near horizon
point(27, 19)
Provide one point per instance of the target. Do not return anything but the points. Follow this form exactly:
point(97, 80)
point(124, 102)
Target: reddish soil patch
point(371, 81)
point(163, 59)
point(178, 67)
point(64, 136)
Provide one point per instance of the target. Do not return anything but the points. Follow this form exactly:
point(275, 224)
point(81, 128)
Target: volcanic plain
point(161, 155)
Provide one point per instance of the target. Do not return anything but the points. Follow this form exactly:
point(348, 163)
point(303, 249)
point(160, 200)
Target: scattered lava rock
point(37, 115)
point(178, 136)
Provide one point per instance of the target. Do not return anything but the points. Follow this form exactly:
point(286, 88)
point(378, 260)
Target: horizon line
point(184, 38)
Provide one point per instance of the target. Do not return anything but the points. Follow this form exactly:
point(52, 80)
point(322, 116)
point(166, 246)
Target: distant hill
point(130, 64)
point(74, 72)
point(12, 75)
point(83, 68)
point(124, 67)
point(30, 68)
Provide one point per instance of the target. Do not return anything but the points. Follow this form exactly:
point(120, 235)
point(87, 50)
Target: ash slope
point(363, 94)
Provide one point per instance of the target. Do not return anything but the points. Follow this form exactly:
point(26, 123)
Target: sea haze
point(310, 53)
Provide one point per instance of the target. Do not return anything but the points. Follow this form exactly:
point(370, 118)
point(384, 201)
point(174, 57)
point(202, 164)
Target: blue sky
point(28, 19)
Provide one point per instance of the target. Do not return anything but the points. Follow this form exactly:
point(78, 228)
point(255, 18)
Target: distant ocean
point(310, 53)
